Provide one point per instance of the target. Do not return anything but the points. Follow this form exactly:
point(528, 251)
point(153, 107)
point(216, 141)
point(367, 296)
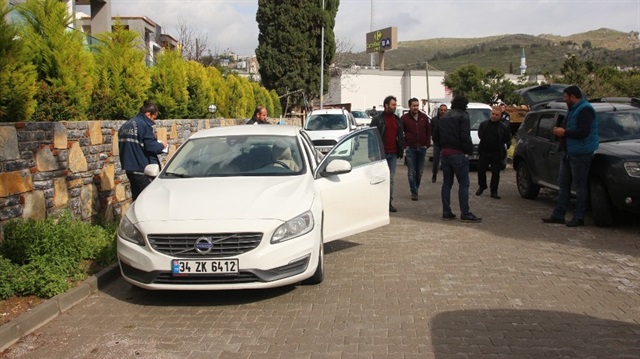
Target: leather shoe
point(575, 222)
point(414, 196)
point(553, 219)
point(434, 178)
point(495, 195)
point(479, 191)
point(392, 209)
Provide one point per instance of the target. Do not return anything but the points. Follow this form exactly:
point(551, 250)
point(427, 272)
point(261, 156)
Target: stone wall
point(48, 167)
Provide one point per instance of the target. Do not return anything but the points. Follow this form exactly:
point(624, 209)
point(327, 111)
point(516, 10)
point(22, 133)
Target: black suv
point(615, 170)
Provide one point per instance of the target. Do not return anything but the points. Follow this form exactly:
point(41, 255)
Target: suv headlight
point(129, 232)
point(293, 228)
point(632, 168)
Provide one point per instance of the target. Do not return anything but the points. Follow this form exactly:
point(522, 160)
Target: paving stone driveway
point(418, 288)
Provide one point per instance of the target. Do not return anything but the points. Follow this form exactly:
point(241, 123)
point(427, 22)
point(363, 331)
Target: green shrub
point(49, 253)
point(7, 274)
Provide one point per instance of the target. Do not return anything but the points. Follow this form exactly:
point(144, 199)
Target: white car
point(244, 207)
point(362, 117)
point(327, 126)
point(478, 112)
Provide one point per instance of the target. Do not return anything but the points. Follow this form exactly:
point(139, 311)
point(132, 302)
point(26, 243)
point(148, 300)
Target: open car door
point(353, 180)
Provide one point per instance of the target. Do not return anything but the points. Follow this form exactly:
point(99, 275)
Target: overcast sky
point(232, 23)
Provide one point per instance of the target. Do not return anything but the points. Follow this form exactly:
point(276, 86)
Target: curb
point(26, 323)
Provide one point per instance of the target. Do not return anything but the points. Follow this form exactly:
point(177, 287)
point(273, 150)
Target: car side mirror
point(336, 167)
point(152, 170)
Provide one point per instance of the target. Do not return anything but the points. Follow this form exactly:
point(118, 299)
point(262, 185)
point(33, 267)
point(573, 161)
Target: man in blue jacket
point(139, 147)
point(579, 140)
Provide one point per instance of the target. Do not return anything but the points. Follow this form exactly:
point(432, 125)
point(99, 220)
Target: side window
point(359, 149)
point(545, 128)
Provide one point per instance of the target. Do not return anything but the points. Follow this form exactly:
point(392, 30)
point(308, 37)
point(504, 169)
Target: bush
point(7, 274)
point(49, 254)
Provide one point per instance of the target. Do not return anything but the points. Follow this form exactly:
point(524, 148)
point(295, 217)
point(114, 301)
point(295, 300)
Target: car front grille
point(324, 143)
point(222, 244)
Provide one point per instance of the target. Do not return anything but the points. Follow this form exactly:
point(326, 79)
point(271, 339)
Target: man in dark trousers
point(417, 138)
point(495, 139)
point(453, 136)
point(579, 140)
point(259, 116)
point(139, 147)
point(390, 128)
point(442, 109)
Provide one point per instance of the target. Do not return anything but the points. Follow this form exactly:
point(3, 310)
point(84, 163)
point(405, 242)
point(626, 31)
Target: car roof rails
point(633, 101)
point(555, 105)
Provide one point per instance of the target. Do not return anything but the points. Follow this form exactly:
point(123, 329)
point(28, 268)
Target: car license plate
point(210, 266)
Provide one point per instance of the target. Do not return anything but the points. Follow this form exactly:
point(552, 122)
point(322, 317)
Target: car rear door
point(546, 151)
point(356, 201)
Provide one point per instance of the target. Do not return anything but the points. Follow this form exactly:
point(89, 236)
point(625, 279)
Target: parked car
point(362, 117)
point(250, 207)
point(478, 112)
point(615, 170)
point(327, 126)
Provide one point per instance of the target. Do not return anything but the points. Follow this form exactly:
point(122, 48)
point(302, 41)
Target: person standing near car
point(453, 136)
point(442, 109)
point(504, 115)
point(390, 128)
point(417, 138)
point(495, 139)
point(139, 147)
point(578, 139)
point(259, 117)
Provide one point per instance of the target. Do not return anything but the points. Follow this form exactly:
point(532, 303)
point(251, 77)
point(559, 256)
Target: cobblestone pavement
point(418, 288)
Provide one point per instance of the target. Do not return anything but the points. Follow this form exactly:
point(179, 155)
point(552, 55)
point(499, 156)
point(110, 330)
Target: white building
point(365, 88)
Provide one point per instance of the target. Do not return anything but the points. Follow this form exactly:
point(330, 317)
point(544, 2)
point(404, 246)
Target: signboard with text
point(382, 40)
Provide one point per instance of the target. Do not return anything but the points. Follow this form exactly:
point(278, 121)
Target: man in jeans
point(390, 129)
point(453, 136)
point(442, 109)
point(417, 138)
point(579, 140)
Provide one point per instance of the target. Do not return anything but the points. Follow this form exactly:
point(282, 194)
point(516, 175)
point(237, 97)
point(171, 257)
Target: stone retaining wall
point(48, 167)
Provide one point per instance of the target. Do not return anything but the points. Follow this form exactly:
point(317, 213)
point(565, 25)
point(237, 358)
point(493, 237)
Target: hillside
point(544, 53)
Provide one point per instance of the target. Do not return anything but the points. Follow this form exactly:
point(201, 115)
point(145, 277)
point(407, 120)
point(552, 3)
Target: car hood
point(629, 149)
point(222, 198)
point(335, 135)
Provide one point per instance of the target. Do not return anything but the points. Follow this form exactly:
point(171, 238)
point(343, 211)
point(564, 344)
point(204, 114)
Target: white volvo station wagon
point(245, 207)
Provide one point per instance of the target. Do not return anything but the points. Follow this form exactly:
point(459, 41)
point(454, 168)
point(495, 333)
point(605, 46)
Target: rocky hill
point(545, 53)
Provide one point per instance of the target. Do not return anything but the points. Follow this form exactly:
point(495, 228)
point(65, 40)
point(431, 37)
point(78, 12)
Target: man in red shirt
point(390, 128)
point(417, 138)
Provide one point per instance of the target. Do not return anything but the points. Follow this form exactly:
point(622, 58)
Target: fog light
point(628, 200)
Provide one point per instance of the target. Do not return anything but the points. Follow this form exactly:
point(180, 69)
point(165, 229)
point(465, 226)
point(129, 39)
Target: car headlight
point(293, 228)
point(632, 168)
point(129, 232)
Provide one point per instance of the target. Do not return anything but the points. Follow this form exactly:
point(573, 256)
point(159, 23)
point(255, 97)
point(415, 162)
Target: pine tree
point(169, 85)
point(200, 90)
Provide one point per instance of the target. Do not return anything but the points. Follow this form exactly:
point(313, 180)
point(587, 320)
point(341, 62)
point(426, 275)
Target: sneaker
point(479, 191)
point(470, 218)
point(434, 178)
point(448, 216)
point(495, 195)
point(392, 208)
point(575, 222)
point(414, 196)
point(554, 220)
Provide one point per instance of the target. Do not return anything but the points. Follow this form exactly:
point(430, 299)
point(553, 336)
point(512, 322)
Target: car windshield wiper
point(173, 174)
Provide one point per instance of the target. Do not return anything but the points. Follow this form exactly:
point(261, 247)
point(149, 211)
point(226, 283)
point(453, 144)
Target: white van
point(478, 112)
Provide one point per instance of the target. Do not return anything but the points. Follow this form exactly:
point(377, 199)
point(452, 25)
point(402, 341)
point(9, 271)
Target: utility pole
point(322, 60)
point(371, 29)
point(426, 67)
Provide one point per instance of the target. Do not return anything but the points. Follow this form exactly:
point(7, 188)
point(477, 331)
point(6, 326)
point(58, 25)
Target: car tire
point(318, 275)
point(601, 208)
point(526, 187)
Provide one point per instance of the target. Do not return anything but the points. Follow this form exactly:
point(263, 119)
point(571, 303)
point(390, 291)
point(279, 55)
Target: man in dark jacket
point(504, 115)
point(139, 147)
point(259, 116)
point(495, 139)
point(453, 136)
point(390, 128)
point(442, 109)
point(417, 138)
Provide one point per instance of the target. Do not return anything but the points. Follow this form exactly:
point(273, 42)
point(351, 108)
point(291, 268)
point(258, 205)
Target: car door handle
point(376, 180)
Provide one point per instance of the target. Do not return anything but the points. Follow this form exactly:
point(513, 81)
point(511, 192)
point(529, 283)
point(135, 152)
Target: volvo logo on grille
point(203, 245)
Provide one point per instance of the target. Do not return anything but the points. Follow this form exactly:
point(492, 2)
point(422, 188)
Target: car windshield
point(236, 156)
point(477, 115)
point(619, 125)
point(359, 114)
point(326, 122)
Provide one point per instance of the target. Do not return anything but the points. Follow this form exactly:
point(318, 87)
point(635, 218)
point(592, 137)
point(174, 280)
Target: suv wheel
point(601, 208)
point(526, 187)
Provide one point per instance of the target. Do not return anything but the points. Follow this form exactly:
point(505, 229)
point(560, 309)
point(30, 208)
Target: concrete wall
point(48, 167)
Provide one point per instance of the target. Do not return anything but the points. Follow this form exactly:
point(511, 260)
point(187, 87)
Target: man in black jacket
point(259, 116)
point(495, 139)
point(390, 128)
point(453, 136)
